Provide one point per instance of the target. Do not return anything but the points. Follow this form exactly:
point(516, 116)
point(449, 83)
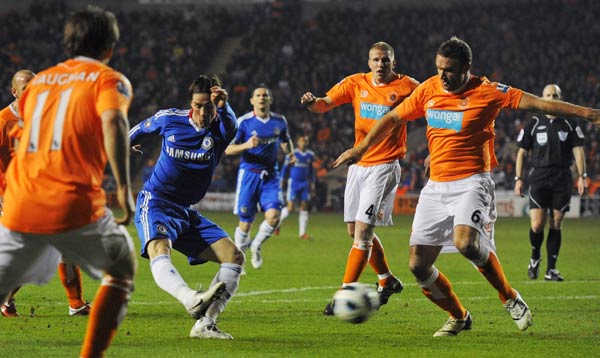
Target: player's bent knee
point(123, 269)
point(363, 244)
point(238, 257)
point(124, 285)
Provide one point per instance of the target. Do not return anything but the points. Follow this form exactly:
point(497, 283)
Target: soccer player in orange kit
point(457, 206)
point(75, 121)
point(371, 183)
point(10, 129)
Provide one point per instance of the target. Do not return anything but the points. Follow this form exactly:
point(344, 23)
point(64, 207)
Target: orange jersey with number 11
point(54, 182)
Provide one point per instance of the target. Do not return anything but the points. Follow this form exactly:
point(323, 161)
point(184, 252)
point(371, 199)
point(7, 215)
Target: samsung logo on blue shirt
point(373, 111)
point(445, 119)
point(187, 154)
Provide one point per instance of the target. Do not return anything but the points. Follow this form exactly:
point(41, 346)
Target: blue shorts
point(190, 233)
point(254, 189)
point(298, 190)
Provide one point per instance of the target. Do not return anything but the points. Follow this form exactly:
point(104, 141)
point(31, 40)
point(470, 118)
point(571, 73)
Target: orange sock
point(107, 312)
point(492, 271)
point(70, 276)
point(379, 263)
point(440, 292)
point(356, 263)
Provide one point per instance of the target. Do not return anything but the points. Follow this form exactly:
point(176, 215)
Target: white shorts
point(370, 193)
point(443, 205)
point(34, 258)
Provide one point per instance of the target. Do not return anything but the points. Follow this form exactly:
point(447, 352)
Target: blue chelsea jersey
point(189, 154)
point(271, 131)
point(302, 170)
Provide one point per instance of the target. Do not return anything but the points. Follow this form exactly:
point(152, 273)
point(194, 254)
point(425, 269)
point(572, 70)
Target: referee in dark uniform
point(553, 143)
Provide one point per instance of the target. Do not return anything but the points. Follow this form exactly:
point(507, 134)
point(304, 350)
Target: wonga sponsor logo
point(445, 119)
point(373, 111)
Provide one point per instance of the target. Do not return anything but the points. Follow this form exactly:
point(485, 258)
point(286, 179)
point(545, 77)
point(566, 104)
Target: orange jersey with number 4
point(460, 127)
point(55, 178)
point(370, 103)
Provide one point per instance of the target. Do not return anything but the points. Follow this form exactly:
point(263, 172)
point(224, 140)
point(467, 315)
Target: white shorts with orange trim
point(370, 193)
point(444, 205)
point(34, 258)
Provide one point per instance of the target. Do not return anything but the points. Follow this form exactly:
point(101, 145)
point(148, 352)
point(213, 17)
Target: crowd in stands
point(527, 45)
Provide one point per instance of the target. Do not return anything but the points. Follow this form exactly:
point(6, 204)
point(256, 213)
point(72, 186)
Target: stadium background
point(295, 46)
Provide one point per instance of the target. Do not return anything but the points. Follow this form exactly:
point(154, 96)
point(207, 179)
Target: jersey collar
point(196, 127)
point(264, 120)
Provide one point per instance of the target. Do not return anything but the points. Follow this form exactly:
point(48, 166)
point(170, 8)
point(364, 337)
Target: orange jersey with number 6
point(371, 102)
point(54, 182)
point(460, 127)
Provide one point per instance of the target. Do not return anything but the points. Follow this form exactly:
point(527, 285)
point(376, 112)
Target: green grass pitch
point(277, 310)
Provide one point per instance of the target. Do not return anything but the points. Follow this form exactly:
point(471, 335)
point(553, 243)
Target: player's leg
point(103, 250)
point(157, 231)
point(70, 277)
point(8, 307)
point(360, 251)
point(303, 219)
point(22, 261)
point(265, 231)
point(245, 206)
point(438, 289)
point(287, 209)
point(231, 260)
point(387, 176)
point(271, 200)
point(431, 231)
point(360, 226)
point(242, 232)
point(475, 216)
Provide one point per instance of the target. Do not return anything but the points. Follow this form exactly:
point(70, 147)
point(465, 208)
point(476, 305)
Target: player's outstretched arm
point(116, 145)
point(375, 135)
point(533, 103)
point(316, 104)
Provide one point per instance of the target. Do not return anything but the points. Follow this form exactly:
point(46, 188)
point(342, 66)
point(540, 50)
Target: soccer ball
point(355, 302)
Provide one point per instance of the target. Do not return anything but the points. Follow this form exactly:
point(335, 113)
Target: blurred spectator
point(292, 54)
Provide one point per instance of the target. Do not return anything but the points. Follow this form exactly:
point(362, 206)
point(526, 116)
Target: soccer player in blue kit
point(300, 182)
point(193, 142)
point(259, 134)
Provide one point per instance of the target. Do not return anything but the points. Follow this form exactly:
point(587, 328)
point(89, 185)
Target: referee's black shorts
point(550, 188)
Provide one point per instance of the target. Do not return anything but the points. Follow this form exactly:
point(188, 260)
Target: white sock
point(242, 239)
point(284, 214)
point(302, 221)
point(166, 277)
point(264, 233)
point(230, 274)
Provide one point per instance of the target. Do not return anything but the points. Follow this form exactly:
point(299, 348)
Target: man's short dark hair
point(457, 49)
point(90, 32)
point(202, 84)
point(262, 85)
